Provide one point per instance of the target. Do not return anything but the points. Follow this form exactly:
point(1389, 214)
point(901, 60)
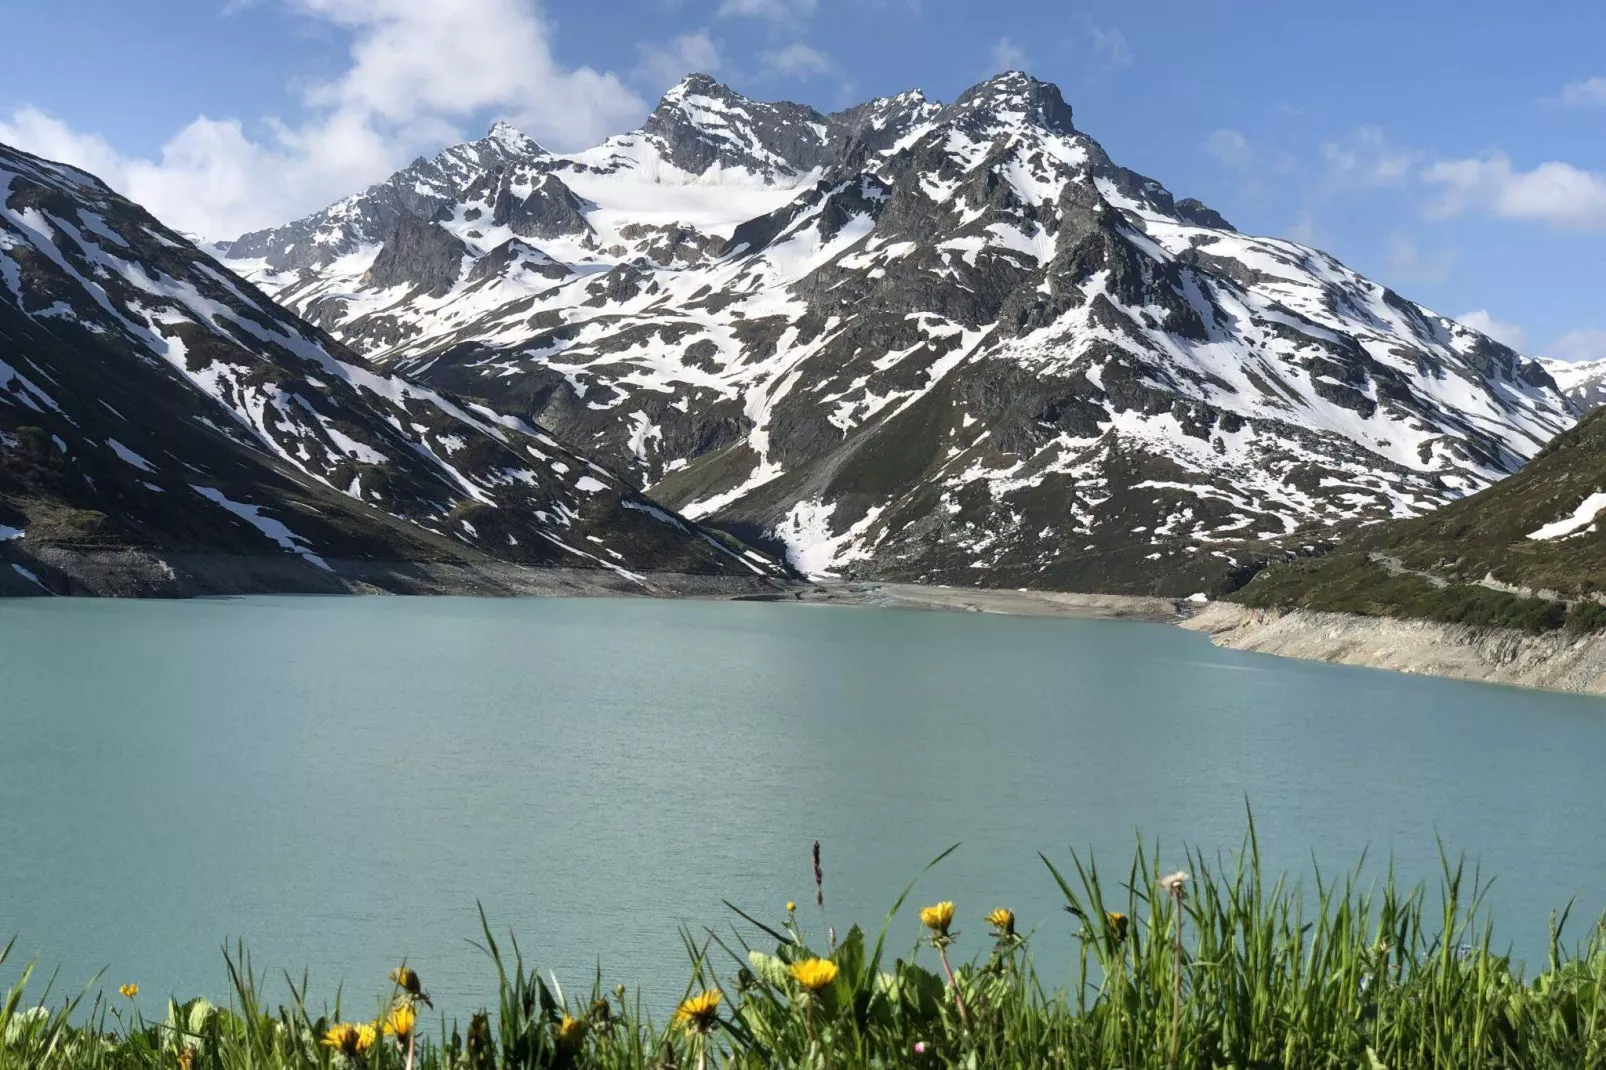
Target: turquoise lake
point(338, 781)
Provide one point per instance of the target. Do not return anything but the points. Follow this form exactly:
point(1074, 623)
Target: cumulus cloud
point(663, 65)
point(417, 70)
point(1508, 333)
point(1587, 343)
point(1589, 93)
point(1008, 56)
point(1559, 194)
point(1366, 158)
point(798, 60)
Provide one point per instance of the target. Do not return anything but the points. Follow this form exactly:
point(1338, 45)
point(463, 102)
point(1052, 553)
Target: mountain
point(952, 343)
point(1582, 381)
point(164, 426)
point(1528, 552)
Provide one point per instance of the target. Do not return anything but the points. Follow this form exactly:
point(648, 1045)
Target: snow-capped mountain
point(952, 343)
point(151, 399)
point(1583, 381)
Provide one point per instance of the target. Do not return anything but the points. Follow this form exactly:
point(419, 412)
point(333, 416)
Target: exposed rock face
point(420, 255)
point(1583, 381)
point(701, 124)
point(955, 344)
point(155, 407)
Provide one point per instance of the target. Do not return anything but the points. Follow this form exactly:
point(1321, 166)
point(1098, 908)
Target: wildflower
point(1117, 925)
point(366, 1035)
point(938, 918)
point(602, 1012)
point(1002, 919)
point(186, 1059)
point(814, 974)
point(407, 980)
point(399, 1023)
point(342, 1037)
point(791, 907)
point(129, 990)
point(570, 1032)
point(1174, 884)
point(699, 1013)
point(921, 1047)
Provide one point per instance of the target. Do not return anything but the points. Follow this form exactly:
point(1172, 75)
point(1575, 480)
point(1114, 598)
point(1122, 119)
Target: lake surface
point(337, 781)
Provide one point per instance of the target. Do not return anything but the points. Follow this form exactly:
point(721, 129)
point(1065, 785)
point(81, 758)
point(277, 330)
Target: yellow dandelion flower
point(407, 980)
point(699, 1013)
point(938, 918)
point(343, 1037)
point(366, 1035)
point(1002, 919)
point(400, 1022)
point(1117, 924)
point(791, 907)
point(814, 974)
point(129, 990)
point(570, 1032)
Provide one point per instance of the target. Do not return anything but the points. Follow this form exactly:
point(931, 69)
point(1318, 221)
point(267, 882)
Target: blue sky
point(1455, 151)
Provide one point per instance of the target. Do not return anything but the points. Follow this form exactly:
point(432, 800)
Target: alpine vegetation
point(1206, 967)
point(952, 342)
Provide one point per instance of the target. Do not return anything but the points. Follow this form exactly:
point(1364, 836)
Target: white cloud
point(418, 69)
point(1589, 93)
point(1508, 333)
point(1564, 196)
point(1365, 158)
point(1230, 147)
point(1109, 44)
point(1407, 263)
point(1007, 56)
point(661, 66)
point(1587, 343)
point(798, 60)
point(777, 10)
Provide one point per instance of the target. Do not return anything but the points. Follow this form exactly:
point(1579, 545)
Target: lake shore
point(1552, 661)
point(1005, 602)
point(1555, 661)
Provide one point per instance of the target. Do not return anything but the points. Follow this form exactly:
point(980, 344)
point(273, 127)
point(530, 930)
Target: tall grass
point(1212, 968)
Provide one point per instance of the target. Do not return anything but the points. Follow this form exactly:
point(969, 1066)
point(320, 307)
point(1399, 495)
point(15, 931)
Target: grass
point(1346, 581)
point(1213, 968)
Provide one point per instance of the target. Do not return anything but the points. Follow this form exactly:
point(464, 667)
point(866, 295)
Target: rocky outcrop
point(420, 255)
point(1556, 661)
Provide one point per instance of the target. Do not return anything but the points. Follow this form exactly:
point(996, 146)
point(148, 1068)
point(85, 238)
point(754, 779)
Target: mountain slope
point(1582, 381)
point(149, 399)
point(1515, 554)
point(951, 343)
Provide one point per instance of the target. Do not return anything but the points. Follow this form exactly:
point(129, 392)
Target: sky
point(1455, 151)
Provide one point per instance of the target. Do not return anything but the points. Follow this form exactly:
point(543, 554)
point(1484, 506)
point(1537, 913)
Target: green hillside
point(1452, 563)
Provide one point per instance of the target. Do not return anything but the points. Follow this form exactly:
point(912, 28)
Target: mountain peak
point(513, 139)
point(1014, 97)
point(701, 123)
point(696, 84)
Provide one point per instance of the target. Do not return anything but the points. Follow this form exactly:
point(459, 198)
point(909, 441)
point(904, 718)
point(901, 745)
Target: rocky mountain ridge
point(948, 343)
point(1582, 381)
point(152, 401)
